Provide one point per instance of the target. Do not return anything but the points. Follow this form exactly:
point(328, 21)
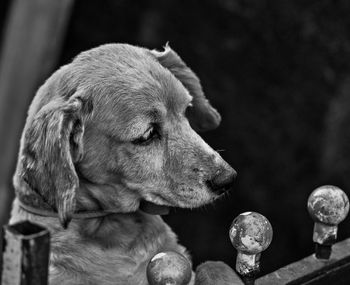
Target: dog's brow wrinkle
point(150, 116)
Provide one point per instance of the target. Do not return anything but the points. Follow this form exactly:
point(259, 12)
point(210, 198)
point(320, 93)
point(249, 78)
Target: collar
point(54, 214)
point(145, 206)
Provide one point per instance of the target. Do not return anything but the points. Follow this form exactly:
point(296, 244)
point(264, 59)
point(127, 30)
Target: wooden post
point(31, 45)
point(26, 249)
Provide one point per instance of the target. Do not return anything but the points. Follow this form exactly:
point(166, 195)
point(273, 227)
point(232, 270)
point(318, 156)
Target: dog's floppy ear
point(52, 143)
point(202, 116)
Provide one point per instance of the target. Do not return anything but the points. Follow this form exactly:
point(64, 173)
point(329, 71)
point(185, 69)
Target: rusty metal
point(328, 206)
point(25, 254)
point(169, 268)
point(250, 233)
point(310, 270)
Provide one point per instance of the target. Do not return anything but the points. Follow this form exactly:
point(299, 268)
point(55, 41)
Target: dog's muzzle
point(222, 181)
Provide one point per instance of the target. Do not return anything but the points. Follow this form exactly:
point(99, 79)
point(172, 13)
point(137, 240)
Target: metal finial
point(250, 233)
point(169, 268)
point(328, 206)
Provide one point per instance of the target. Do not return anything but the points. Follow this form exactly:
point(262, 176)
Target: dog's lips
point(222, 190)
point(218, 190)
point(153, 209)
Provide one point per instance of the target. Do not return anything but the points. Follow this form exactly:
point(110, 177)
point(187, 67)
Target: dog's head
point(115, 127)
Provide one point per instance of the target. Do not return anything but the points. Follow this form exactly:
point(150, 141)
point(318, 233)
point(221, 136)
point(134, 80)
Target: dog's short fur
point(108, 131)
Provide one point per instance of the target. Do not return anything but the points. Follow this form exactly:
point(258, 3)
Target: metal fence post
point(25, 254)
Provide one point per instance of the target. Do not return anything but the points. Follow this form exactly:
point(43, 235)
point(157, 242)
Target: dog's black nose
point(222, 181)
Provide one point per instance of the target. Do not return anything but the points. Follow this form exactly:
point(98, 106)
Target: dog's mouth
point(153, 209)
point(218, 190)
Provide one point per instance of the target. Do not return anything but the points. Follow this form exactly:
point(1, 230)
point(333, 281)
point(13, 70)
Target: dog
point(110, 143)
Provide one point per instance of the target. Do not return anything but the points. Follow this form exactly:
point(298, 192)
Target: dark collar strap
point(53, 214)
point(147, 207)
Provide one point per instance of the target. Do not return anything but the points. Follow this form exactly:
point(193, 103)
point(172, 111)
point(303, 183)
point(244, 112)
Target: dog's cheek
point(98, 159)
point(142, 163)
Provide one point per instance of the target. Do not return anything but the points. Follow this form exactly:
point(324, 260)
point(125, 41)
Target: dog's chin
point(153, 209)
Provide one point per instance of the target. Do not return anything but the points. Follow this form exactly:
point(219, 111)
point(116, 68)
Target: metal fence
point(26, 249)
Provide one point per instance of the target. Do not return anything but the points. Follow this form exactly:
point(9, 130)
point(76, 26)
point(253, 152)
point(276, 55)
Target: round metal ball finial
point(250, 233)
point(169, 268)
point(328, 206)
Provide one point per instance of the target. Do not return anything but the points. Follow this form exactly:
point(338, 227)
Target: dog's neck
point(113, 230)
point(93, 197)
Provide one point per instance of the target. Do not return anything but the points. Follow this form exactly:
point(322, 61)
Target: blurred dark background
point(277, 71)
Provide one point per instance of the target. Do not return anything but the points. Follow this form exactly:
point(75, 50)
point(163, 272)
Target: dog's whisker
point(220, 150)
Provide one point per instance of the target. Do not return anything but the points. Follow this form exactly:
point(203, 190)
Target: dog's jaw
point(108, 197)
point(153, 209)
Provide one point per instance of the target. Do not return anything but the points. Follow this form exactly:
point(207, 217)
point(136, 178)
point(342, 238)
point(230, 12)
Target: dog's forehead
point(130, 77)
point(130, 87)
point(165, 95)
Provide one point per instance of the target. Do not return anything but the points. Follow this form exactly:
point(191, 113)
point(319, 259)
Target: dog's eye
point(151, 134)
